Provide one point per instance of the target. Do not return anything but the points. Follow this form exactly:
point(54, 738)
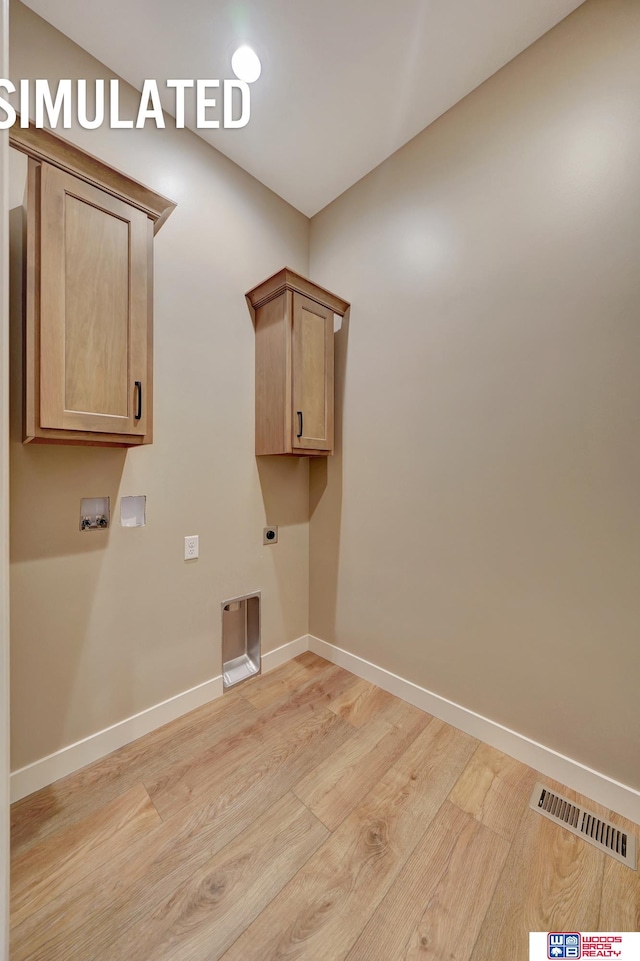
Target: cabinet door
point(312, 351)
point(94, 308)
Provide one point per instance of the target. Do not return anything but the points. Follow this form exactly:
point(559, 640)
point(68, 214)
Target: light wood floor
point(305, 815)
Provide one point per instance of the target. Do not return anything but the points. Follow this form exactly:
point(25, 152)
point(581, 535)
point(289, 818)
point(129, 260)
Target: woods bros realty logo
point(88, 104)
point(560, 945)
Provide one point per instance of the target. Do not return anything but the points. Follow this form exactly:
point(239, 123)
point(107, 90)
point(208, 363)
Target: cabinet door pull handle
point(138, 413)
point(299, 434)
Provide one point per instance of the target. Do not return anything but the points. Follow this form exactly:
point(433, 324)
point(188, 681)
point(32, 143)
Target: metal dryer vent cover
point(585, 824)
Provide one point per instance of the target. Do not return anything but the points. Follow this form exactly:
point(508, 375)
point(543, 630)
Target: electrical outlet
point(191, 547)
point(270, 535)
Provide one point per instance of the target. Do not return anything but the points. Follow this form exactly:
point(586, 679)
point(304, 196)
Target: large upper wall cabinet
point(294, 364)
point(88, 298)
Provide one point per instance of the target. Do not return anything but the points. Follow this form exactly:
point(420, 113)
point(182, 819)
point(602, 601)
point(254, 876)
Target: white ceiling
point(344, 83)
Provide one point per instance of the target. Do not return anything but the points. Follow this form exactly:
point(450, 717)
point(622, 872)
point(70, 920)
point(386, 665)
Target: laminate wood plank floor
point(304, 815)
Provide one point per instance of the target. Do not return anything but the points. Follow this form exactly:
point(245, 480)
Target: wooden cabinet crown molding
point(45, 146)
point(288, 279)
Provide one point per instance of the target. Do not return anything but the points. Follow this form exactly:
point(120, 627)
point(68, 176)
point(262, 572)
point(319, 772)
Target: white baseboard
point(599, 787)
point(69, 759)
point(281, 655)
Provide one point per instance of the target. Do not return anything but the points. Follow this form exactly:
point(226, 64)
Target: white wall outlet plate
point(191, 547)
point(270, 535)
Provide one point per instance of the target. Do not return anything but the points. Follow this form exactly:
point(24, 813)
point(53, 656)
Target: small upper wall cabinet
point(88, 298)
point(294, 364)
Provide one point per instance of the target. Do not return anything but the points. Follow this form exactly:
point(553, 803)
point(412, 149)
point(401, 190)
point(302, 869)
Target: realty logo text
point(574, 945)
point(89, 105)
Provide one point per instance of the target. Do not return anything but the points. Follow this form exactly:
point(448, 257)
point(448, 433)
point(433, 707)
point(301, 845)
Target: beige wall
point(480, 534)
point(105, 626)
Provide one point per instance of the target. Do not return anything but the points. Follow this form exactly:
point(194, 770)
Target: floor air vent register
point(602, 834)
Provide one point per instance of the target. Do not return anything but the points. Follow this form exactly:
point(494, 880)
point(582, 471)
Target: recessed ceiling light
point(246, 65)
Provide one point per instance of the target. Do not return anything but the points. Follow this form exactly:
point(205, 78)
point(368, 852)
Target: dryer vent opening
point(240, 639)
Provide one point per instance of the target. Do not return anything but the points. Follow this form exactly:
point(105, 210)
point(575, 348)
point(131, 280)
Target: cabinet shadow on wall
point(284, 482)
point(48, 481)
point(325, 507)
